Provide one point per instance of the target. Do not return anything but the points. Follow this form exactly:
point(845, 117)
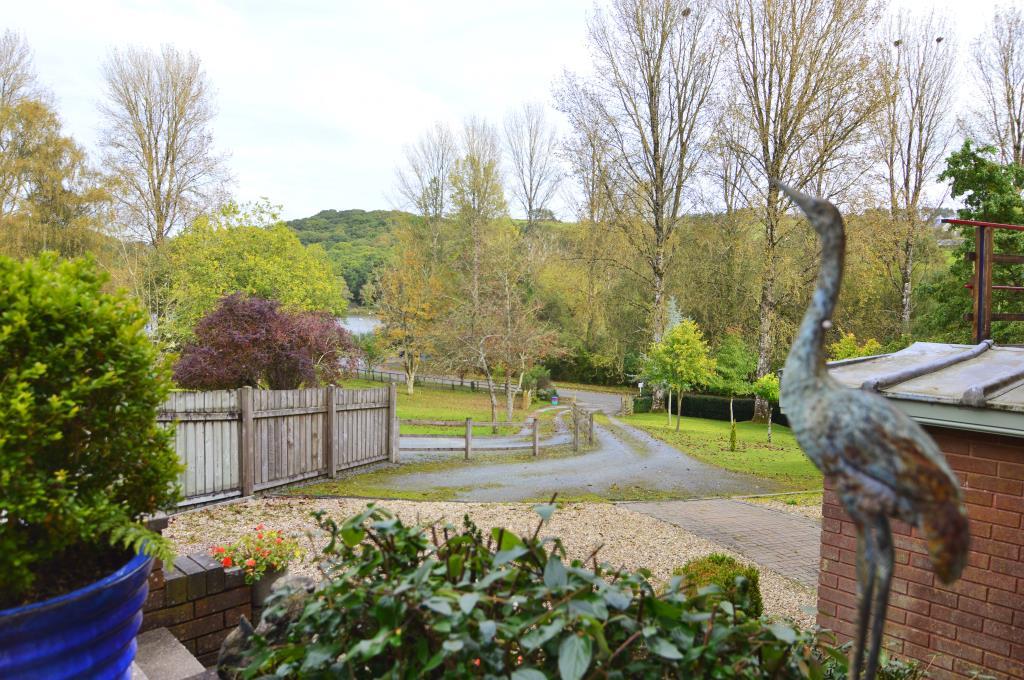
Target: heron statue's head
point(823, 216)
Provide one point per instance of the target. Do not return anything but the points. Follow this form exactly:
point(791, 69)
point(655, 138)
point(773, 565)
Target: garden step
point(162, 657)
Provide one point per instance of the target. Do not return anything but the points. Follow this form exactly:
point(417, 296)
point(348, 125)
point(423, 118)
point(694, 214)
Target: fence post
point(469, 437)
point(330, 400)
point(246, 444)
point(393, 421)
point(575, 429)
point(536, 435)
point(590, 435)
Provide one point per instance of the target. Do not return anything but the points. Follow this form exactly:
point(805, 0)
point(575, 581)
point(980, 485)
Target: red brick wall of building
point(974, 624)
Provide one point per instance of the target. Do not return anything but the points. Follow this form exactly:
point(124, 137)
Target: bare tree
point(912, 133)
point(999, 68)
point(424, 181)
point(655, 64)
point(157, 139)
point(531, 143)
point(801, 96)
point(17, 72)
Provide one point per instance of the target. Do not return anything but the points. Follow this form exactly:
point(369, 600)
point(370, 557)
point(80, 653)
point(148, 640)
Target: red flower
point(264, 552)
point(260, 527)
point(279, 540)
point(250, 562)
point(217, 550)
point(226, 561)
point(259, 536)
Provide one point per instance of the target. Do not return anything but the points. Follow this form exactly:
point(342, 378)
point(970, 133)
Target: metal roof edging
point(978, 395)
point(952, 416)
point(903, 375)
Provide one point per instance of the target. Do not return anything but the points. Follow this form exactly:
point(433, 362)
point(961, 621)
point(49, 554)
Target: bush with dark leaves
point(252, 341)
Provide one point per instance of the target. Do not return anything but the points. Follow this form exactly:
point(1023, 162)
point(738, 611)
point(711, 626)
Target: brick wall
point(199, 601)
point(975, 623)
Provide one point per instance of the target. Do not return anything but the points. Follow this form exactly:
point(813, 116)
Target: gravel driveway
point(630, 539)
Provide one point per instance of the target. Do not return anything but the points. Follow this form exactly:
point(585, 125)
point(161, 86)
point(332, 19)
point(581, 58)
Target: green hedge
point(713, 407)
point(739, 583)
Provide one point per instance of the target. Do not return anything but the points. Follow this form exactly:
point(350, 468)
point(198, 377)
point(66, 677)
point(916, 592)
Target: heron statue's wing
point(884, 444)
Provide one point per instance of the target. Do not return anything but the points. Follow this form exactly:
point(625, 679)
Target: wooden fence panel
point(286, 441)
point(206, 440)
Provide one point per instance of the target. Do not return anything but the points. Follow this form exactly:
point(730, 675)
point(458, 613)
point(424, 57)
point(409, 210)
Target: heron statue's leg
point(881, 535)
point(866, 578)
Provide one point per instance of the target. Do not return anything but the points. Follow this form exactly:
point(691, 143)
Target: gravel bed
point(809, 511)
point(629, 539)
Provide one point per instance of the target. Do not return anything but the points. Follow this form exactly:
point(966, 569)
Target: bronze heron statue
point(881, 463)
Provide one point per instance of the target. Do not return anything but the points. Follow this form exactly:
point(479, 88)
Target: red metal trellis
point(984, 257)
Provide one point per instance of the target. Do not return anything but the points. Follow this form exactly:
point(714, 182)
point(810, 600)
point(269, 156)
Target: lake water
point(359, 323)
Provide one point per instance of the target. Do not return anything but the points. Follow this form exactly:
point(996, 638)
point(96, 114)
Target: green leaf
point(316, 656)
point(617, 599)
point(783, 632)
point(503, 556)
point(439, 605)
point(468, 601)
point(506, 539)
point(488, 629)
point(538, 636)
point(664, 648)
point(574, 657)
point(453, 645)
point(545, 510)
point(528, 674)
point(555, 575)
point(352, 535)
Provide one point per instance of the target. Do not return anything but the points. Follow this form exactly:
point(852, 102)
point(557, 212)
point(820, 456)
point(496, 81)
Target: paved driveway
point(785, 543)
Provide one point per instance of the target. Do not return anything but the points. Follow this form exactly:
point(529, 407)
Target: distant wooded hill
point(355, 240)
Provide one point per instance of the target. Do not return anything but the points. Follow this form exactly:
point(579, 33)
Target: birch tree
point(424, 178)
point(802, 95)
point(999, 69)
point(531, 144)
point(157, 140)
point(911, 137)
point(654, 66)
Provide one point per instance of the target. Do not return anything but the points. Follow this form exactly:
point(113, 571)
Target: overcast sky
point(316, 99)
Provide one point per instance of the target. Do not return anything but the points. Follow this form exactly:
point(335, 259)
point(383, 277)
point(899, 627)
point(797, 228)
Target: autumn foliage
point(252, 341)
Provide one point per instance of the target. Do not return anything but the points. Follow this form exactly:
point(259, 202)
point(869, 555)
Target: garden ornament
point(880, 462)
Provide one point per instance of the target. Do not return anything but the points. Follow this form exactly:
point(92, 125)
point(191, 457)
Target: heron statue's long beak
point(805, 202)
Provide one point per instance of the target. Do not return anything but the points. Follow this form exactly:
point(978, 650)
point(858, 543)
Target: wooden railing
point(985, 257)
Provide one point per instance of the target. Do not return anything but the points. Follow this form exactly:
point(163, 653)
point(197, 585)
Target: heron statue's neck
point(806, 360)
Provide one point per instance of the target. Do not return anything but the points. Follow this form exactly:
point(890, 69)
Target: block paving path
point(787, 544)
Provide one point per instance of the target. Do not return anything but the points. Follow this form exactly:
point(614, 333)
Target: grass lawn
point(708, 441)
point(439, 403)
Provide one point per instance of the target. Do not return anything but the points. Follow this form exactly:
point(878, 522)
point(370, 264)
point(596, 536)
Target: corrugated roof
point(982, 376)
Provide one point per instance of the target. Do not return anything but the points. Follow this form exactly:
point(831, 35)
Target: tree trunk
point(764, 327)
point(906, 281)
point(410, 374)
point(769, 424)
point(732, 427)
point(527, 399)
point(668, 411)
point(492, 393)
point(679, 409)
point(509, 399)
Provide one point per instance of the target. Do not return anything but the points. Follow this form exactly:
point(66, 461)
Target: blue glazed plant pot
point(87, 633)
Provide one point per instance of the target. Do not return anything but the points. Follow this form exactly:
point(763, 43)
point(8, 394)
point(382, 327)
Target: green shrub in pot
point(82, 459)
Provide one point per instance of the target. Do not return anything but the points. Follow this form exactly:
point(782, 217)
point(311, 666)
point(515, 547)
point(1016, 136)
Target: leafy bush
point(847, 348)
point(410, 602)
point(81, 456)
point(252, 341)
point(739, 583)
point(258, 552)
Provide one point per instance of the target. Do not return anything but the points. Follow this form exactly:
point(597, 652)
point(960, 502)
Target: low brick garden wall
point(975, 624)
point(199, 602)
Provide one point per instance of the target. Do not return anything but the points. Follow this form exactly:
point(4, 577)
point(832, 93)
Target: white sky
point(316, 98)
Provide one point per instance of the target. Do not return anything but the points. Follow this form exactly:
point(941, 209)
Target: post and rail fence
point(473, 385)
point(469, 424)
point(236, 442)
